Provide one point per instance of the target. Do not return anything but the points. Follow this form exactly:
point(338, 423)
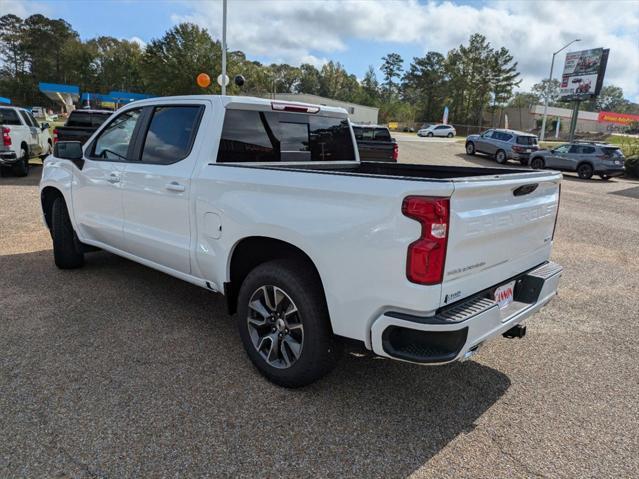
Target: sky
point(358, 33)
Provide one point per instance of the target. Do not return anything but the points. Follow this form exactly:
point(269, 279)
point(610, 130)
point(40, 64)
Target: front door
point(97, 194)
point(156, 187)
point(483, 141)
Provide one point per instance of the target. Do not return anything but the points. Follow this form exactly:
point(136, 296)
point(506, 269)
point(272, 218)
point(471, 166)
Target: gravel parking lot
point(116, 370)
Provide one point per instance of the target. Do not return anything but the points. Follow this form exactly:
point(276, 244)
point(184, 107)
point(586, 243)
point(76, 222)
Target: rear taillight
point(427, 255)
point(395, 151)
point(6, 139)
point(55, 135)
point(556, 215)
point(519, 149)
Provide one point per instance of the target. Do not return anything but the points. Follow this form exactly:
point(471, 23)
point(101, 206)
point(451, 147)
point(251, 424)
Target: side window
point(575, 149)
point(113, 142)
point(587, 150)
point(171, 134)
point(33, 120)
point(562, 149)
point(488, 134)
point(25, 118)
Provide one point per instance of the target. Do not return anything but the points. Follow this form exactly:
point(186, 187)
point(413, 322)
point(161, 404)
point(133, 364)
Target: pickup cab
point(374, 143)
point(22, 138)
point(267, 203)
point(80, 125)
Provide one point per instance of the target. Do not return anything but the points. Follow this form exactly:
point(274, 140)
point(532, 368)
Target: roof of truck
point(245, 101)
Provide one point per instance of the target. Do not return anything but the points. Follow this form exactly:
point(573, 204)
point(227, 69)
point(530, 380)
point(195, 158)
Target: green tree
point(610, 99)
point(171, 64)
point(547, 87)
point(309, 81)
point(424, 85)
point(392, 68)
point(369, 91)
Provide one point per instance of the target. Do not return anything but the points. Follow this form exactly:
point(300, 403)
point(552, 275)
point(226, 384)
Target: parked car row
point(584, 158)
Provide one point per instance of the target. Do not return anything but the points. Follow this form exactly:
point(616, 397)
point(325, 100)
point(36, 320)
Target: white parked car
point(268, 203)
point(438, 130)
point(22, 138)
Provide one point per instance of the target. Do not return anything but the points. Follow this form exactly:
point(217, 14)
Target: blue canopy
point(5, 100)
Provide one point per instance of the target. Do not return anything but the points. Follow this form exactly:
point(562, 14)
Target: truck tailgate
point(499, 227)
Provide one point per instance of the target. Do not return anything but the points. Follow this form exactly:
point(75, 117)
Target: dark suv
point(586, 158)
point(503, 145)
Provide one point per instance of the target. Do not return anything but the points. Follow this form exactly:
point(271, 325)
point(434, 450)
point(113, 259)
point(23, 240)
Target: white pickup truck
point(22, 138)
point(267, 203)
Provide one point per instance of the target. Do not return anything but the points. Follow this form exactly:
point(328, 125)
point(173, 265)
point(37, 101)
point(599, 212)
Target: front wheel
point(500, 157)
point(284, 324)
point(585, 171)
point(537, 163)
point(470, 148)
point(21, 168)
point(430, 134)
point(450, 135)
point(65, 248)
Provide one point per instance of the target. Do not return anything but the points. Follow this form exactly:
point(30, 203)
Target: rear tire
point(65, 248)
point(450, 135)
point(48, 152)
point(429, 134)
point(292, 357)
point(537, 163)
point(21, 168)
point(500, 157)
point(470, 148)
point(585, 171)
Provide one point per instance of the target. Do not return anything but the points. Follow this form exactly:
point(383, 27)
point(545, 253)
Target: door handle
point(113, 178)
point(174, 186)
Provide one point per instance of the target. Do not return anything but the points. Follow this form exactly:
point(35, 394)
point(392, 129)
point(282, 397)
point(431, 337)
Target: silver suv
point(586, 158)
point(503, 145)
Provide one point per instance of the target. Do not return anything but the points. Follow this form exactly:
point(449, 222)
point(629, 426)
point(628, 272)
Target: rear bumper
point(8, 157)
point(456, 332)
point(611, 171)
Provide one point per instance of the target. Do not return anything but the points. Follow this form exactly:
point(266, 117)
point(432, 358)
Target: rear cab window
point(79, 119)
point(265, 136)
point(382, 134)
point(9, 117)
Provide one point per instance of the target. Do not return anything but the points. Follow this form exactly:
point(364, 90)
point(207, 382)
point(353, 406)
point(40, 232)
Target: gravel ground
point(116, 370)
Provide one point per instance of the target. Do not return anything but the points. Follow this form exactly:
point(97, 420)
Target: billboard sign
point(583, 74)
point(618, 118)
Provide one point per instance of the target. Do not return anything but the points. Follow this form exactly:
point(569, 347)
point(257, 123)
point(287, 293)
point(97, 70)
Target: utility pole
point(552, 64)
point(223, 47)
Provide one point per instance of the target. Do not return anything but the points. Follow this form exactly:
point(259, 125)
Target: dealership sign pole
point(223, 83)
point(552, 64)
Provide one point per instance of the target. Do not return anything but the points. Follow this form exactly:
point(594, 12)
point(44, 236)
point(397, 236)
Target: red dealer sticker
point(504, 294)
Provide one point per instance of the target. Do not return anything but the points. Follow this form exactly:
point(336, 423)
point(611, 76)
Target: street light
point(552, 64)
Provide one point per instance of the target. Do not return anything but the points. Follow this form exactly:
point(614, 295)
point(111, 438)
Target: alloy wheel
point(275, 326)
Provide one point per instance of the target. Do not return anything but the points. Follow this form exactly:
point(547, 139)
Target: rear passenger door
point(156, 185)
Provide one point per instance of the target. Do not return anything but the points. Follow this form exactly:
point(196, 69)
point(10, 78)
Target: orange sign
point(619, 118)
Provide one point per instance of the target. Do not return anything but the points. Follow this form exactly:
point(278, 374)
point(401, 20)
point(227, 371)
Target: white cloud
point(23, 8)
point(139, 41)
point(293, 31)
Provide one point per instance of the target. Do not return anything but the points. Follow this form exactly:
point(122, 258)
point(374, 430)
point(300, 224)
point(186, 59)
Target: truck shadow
point(137, 373)
point(32, 179)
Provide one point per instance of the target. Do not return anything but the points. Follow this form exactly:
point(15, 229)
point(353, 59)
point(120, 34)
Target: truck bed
point(390, 170)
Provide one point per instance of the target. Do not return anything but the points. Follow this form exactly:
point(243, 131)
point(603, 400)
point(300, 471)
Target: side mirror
point(68, 150)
